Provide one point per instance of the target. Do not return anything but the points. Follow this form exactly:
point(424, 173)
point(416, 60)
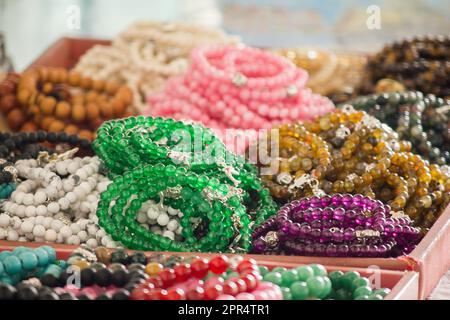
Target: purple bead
point(294, 229)
point(305, 231)
point(319, 249)
point(327, 224)
point(325, 201)
point(326, 236)
point(317, 214)
point(327, 213)
point(339, 214)
point(309, 249)
point(259, 245)
point(349, 234)
point(307, 215)
point(304, 203)
point(347, 200)
point(294, 204)
point(355, 250)
point(360, 219)
point(373, 250)
point(297, 216)
point(316, 224)
point(379, 215)
point(316, 233)
point(315, 202)
point(358, 200)
point(369, 222)
point(338, 236)
point(281, 219)
point(331, 250)
point(299, 248)
point(343, 250)
point(389, 229)
point(336, 200)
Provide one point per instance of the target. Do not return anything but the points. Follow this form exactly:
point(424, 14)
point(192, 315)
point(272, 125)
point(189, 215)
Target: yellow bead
point(153, 268)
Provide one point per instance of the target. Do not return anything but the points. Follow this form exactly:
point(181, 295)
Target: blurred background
point(30, 26)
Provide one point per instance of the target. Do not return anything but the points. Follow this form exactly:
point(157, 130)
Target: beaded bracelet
point(420, 63)
point(422, 120)
point(339, 225)
point(366, 158)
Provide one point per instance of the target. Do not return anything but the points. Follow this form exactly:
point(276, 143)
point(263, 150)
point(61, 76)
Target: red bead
point(218, 264)
point(231, 288)
point(156, 282)
point(199, 268)
point(251, 281)
point(139, 294)
point(182, 272)
point(242, 286)
point(246, 264)
point(157, 294)
point(176, 294)
point(212, 292)
point(197, 293)
point(168, 277)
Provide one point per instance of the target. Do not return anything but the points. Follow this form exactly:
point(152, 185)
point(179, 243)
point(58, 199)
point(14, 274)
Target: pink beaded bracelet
point(240, 88)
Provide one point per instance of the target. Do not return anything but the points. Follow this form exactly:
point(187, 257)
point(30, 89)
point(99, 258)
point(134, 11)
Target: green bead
point(316, 286)
point(376, 297)
point(342, 294)
point(287, 295)
point(335, 277)
point(304, 273)
point(382, 292)
point(365, 297)
point(362, 291)
point(289, 277)
point(29, 260)
point(274, 277)
point(299, 290)
point(279, 269)
point(263, 270)
point(327, 289)
point(347, 279)
point(318, 269)
point(360, 282)
point(12, 265)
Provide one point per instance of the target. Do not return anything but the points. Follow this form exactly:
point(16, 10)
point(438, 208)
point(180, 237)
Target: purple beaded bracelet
point(341, 225)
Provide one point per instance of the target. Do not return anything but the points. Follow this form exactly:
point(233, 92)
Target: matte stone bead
point(119, 256)
point(87, 277)
point(49, 280)
point(7, 292)
point(27, 293)
point(121, 294)
point(67, 296)
point(48, 296)
point(103, 277)
point(137, 257)
point(120, 278)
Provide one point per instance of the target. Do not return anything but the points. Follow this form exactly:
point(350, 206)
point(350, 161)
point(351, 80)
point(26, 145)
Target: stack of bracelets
point(238, 88)
point(422, 120)
point(187, 168)
point(57, 100)
point(341, 225)
point(420, 63)
point(351, 152)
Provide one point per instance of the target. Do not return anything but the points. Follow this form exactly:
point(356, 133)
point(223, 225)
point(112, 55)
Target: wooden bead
point(56, 126)
point(103, 255)
point(29, 126)
point(118, 107)
point(71, 129)
point(46, 122)
point(47, 88)
point(106, 110)
point(85, 134)
point(23, 95)
point(7, 103)
point(63, 110)
point(48, 105)
point(78, 113)
point(98, 85)
point(111, 87)
point(16, 119)
point(85, 83)
point(74, 78)
point(92, 111)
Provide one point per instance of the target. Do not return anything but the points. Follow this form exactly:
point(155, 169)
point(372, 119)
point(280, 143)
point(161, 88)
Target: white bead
point(156, 229)
point(82, 235)
point(141, 217)
point(28, 199)
point(51, 192)
point(79, 192)
point(85, 207)
point(68, 185)
point(163, 219)
point(92, 243)
point(152, 213)
point(3, 233)
point(12, 235)
point(17, 196)
point(41, 210)
point(104, 241)
point(72, 167)
point(74, 240)
point(60, 238)
point(53, 207)
point(20, 211)
point(169, 234)
point(71, 197)
point(39, 231)
point(4, 220)
point(172, 225)
point(75, 228)
point(30, 211)
point(92, 230)
point(39, 220)
point(61, 168)
point(63, 203)
point(65, 231)
point(172, 211)
point(39, 198)
point(100, 233)
point(56, 225)
point(180, 214)
point(179, 230)
point(16, 222)
point(82, 174)
point(27, 226)
point(50, 235)
point(47, 223)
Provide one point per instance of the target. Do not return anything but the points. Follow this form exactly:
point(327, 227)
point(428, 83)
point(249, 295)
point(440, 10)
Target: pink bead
point(225, 297)
point(245, 296)
point(261, 295)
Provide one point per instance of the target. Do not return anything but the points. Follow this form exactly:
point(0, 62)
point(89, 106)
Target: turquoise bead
point(12, 265)
point(2, 269)
point(42, 256)
point(29, 260)
point(51, 253)
point(18, 250)
point(6, 280)
point(4, 254)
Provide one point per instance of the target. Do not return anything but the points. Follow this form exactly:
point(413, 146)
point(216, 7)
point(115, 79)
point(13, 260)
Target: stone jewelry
point(341, 225)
